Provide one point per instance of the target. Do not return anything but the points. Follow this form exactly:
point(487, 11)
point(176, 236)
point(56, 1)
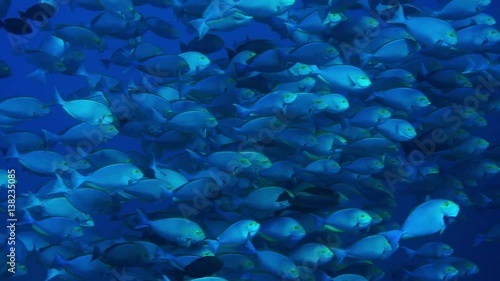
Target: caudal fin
point(142, 220)
point(77, 179)
point(243, 112)
point(399, 16)
point(411, 253)
point(213, 245)
point(340, 254)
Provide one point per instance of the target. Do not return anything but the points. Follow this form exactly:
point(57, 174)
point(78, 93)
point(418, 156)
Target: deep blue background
point(459, 235)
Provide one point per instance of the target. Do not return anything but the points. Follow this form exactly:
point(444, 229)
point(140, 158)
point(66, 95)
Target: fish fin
point(201, 27)
point(340, 254)
point(106, 63)
point(411, 253)
point(32, 201)
point(59, 187)
point(442, 230)
point(50, 138)
point(230, 53)
point(194, 155)
point(58, 97)
point(250, 247)
point(365, 58)
point(224, 6)
point(393, 236)
point(60, 261)
point(39, 75)
point(291, 28)
point(240, 68)
point(54, 272)
point(243, 112)
point(399, 16)
point(77, 179)
point(213, 244)
point(27, 219)
point(12, 152)
point(96, 253)
point(142, 220)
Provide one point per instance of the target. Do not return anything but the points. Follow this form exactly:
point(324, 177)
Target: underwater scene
point(249, 140)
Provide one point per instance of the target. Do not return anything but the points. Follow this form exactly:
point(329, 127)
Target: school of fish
point(268, 159)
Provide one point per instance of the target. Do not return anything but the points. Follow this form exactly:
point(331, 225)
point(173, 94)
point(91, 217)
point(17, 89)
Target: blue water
point(460, 235)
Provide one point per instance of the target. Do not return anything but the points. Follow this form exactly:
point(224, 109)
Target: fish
point(249, 140)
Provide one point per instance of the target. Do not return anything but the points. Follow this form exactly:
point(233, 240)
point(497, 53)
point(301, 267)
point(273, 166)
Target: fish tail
point(27, 219)
point(22, 14)
point(77, 179)
point(411, 253)
point(213, 244)
point(365, 58)
point(12, 152)
point(50, 138)
point(39, 75)
point(60, 261)
point(478, 240)
point(242, 111)
point(250, 247)
point(106, 63)
point(142, 220)
point(59, 187)
point(201, 27)
point(291, 28)
point(240, 68)
point(399, 16)
point(345, 123)
point(32, 201)
point(54, 272)
point(193, 154)
point(318, 221)
point(58, 97)
point(340, 254)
